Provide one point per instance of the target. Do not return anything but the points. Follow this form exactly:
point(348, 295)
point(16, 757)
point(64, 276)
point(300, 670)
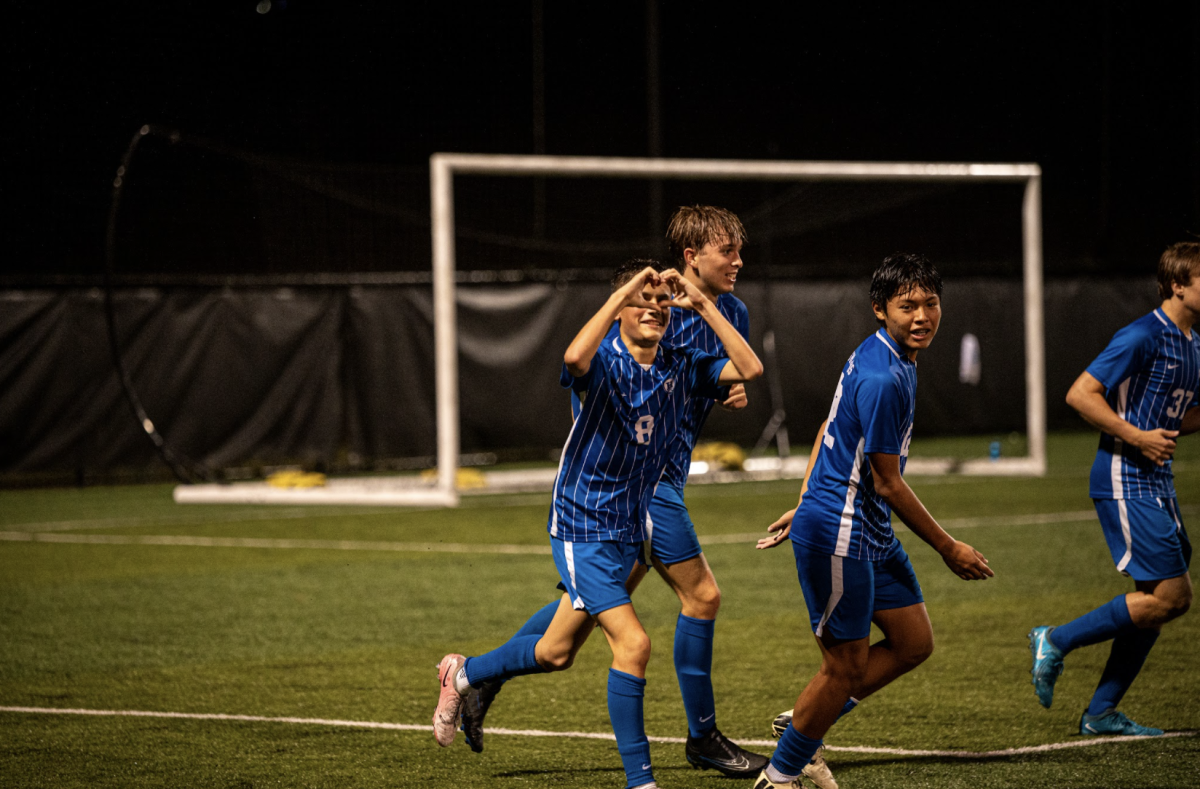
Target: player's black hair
point(900, 273)
point(629, 269)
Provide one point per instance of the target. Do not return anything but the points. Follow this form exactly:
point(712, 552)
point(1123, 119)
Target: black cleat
point(715, 751)
point(474, 710)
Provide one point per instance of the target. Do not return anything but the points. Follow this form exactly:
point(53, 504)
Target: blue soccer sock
point(536, 625)
point(539, 623)
point(512, 659)
point(848, 707)
point(693, 667)
point(625, 701)
point(1129, 651)
point(792, 755)
point(1100, 624)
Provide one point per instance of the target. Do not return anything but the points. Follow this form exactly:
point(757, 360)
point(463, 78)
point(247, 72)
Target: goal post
point(443, 167)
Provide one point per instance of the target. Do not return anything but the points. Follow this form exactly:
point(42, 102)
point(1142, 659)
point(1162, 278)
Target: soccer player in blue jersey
point(1141, 393)
point(852, 569)
point(633, 392)
point(705, 243)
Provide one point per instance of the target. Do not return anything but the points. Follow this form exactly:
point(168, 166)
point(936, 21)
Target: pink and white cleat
point(445, 717)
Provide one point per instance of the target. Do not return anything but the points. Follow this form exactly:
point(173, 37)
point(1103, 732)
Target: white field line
point(45, 535)
point(257, 514)
point(425, 727)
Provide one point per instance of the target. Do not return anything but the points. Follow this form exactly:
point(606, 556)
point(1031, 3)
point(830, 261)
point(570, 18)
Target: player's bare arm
point(582, 349)
point(963, 560)
point(782, 527)
point(744, 364)
point(1086, 396)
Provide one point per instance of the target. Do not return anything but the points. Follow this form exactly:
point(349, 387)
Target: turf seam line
point(257, 542)
point(443, 547)
point(1056, 746)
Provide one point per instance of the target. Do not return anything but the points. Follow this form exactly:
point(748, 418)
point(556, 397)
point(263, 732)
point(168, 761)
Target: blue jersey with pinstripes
point(1151, 375)
point(872, 411)
point(628, 419)
point(689, 330)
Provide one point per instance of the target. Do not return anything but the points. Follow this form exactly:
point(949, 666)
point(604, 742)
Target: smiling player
point(1142, 393)
point(852, 569)
point(633, 391)
point(705, 243)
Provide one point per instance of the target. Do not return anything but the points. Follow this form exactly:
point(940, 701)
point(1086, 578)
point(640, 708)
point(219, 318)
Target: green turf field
point(93, 617)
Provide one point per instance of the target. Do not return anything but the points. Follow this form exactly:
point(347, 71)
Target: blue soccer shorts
point(594, 573)
point(1145, 536)
point(843, 594)
point(670, 533)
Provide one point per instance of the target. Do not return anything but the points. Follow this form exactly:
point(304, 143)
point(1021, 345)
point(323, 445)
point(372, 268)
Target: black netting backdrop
point(273, 311)
point(343, 376)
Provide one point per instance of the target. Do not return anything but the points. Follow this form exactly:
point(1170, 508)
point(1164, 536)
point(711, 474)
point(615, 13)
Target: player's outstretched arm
point(1086, 396)
point(782, 527)
point(582, 349)
point(963, 560)
point(744, 364)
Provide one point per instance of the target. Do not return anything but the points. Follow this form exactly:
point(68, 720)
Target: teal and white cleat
point(1047, 664)
point(1112, 722)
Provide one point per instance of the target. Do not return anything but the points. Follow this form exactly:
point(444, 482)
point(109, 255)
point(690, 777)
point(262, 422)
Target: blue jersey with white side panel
point(1151, 376)
point(872, 411)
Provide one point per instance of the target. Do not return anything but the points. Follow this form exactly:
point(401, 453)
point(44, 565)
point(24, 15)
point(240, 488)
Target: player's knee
point(704, 601)
point(1178, 605)
point(1172, 602)
point(560, 662)
point(848, 670)
point(633, 650)
point(919, 650)
point(555, 657)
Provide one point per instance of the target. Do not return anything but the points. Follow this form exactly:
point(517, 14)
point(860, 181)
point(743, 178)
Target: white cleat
point(818, 771)
point(445, 717)
point(763, 782)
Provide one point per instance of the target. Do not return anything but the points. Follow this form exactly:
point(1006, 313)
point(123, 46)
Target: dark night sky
point(1106, 99)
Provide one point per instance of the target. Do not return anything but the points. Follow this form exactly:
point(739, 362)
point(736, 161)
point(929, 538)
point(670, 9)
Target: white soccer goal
point(444, 166)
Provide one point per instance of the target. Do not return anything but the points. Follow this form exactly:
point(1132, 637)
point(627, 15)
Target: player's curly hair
point(1178, 264)
point(900, 273)
point(629, 269)
point(691, 227)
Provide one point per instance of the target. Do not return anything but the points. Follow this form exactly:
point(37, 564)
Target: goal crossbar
point(444, 166)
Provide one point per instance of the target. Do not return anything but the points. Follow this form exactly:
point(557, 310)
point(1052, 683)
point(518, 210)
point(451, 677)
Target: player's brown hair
point(691, 227)
point(1178, 264)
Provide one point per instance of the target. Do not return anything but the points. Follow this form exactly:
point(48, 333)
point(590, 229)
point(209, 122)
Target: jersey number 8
point(644, 429)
